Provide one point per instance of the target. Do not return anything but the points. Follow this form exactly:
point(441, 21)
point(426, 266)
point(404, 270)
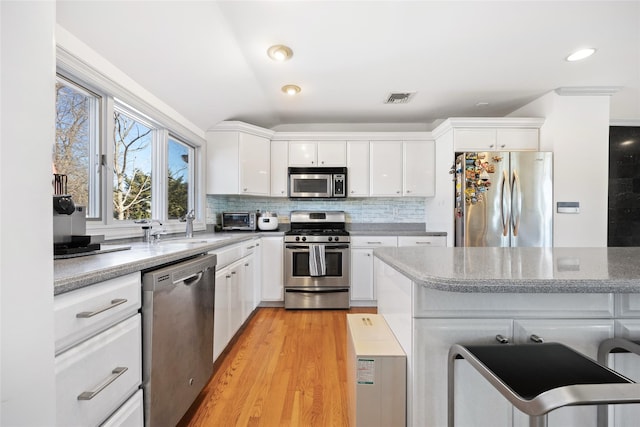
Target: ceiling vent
point(399, 98)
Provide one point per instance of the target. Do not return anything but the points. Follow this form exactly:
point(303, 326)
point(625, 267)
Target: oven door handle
point(306, 247)
point(316, 291)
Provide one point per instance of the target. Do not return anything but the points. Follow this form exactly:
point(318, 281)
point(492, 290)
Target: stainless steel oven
point(317, 261)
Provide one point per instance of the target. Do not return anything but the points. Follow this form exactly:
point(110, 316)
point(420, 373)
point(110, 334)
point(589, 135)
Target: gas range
point(317, 227)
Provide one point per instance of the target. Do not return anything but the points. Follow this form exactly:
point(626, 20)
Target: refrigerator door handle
point(504, 216)
point(516, 203)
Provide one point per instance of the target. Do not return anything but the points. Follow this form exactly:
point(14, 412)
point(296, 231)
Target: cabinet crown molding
point(487, 122)
point(237, 126)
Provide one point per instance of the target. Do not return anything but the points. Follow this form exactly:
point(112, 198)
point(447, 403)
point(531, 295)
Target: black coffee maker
point(69, 222)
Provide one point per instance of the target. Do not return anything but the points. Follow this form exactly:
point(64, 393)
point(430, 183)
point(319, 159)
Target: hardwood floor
point(287, 368)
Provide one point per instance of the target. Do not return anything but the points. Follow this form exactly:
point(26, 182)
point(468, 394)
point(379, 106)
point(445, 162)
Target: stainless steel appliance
point(239, 221)
point(317, 183)
point(177, 342)
point(504, 199)
point(316, 261)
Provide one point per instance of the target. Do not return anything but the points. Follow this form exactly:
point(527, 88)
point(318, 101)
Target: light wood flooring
point(286, 368)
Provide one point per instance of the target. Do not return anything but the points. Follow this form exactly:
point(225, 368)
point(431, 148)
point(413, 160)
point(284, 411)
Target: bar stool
point(613, 345)
point(538, 378)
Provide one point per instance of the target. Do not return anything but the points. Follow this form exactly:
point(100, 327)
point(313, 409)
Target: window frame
point(166, 122)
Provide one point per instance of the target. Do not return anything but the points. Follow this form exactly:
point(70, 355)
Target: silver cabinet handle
point(374, 243)
point(228, 276)
point(536, 338)
point(502, 339)
point(88, 395)
point(114, 303)
point(250, 247)
point(423, 243)
point(246, 265)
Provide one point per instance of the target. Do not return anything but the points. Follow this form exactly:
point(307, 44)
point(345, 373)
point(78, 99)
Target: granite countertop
point(74, 273)
point(517, 270)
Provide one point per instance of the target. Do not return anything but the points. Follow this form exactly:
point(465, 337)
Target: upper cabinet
point(402, 168)
point(238, 162)
point(279, 163)
point(492, 134)
point(358, 167)
point(419, 171)
point(317, 153)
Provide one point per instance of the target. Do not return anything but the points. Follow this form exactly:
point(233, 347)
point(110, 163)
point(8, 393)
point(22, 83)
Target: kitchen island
point(433, 298)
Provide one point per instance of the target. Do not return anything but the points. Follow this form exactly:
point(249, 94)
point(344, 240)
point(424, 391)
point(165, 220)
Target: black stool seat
point(538, 378)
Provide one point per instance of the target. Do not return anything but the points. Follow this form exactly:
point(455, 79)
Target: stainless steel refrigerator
point(504, 199)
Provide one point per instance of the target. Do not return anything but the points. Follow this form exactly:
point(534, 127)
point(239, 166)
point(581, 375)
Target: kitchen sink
point(193, 240)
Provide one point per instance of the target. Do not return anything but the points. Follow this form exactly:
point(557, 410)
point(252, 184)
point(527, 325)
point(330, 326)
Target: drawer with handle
point(422, 241)
point(85, 312)
point(97, 376)
point(373, 241)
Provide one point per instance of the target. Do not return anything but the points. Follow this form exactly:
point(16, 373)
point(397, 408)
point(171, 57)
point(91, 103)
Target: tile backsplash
point(358, 210)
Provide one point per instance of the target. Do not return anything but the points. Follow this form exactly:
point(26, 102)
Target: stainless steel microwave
point(317, 183)
point(243, 221)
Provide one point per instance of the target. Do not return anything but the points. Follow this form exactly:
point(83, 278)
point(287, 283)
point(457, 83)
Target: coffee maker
point(69, 223)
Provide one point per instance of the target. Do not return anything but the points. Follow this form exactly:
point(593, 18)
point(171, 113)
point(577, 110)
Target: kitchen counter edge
point(75, 273)
point(429, 268)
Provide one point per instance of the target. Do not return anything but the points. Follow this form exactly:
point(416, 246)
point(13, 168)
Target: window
point(179, 176)
point(124, 168)
point(132, 149)
point(76, 152)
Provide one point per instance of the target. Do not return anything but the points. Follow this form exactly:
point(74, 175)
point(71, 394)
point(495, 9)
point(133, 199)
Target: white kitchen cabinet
point(95, 377)
point(477, 403)
point(627, 364)
point(422, 241)
point(130, 414)
point(386, 168)
point(358, 167)
point(272, 269)
point(221, 312)
point(362, 288)
point(98, 341)
point(238, 163)
point(85, 312)
point(419, 168)
point(495, 139)
point(584, 336)
point(279, 164)
point(317, 153)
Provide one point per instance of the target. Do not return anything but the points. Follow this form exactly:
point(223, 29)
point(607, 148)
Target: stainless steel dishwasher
point(177, 343)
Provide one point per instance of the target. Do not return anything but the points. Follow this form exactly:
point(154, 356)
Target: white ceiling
point(207, 59)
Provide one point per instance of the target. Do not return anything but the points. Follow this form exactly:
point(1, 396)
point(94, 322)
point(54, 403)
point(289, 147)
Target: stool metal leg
point(538, 421)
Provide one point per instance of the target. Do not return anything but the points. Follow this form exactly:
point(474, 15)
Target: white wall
point(576, 129)
point(26, 248)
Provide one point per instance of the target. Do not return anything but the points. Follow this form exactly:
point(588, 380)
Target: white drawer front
point(85, 312)
point(373, 241)
point(87, 366)
point(131, 414)
point(227, 255)
point(422, 241)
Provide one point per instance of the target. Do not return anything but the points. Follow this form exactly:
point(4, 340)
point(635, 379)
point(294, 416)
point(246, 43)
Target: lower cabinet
point(95, 377)
point(130, 414)
point(272, 286)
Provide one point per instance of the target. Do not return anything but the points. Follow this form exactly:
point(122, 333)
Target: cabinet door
point(517, 139)
point(477, 404)
point(272, 269)
point(255, 163)
point(247, 271)
point(235, 297)
point(422, 241)
point(279, 163)
point(222, 163)
point(221, 312)
point(584, 336)
point(358, 166)
point(474, 139)
point(386, 168)
point(303, 153)
point(332, 153)
point(362, 274)
point(419, 169)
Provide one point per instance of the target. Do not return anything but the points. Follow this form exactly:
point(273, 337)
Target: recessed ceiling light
point(291, 89)
point(279, 52)
point(581, 54)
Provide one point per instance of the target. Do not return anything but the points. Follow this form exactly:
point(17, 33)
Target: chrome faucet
point(147, 225)
point(188, 218)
